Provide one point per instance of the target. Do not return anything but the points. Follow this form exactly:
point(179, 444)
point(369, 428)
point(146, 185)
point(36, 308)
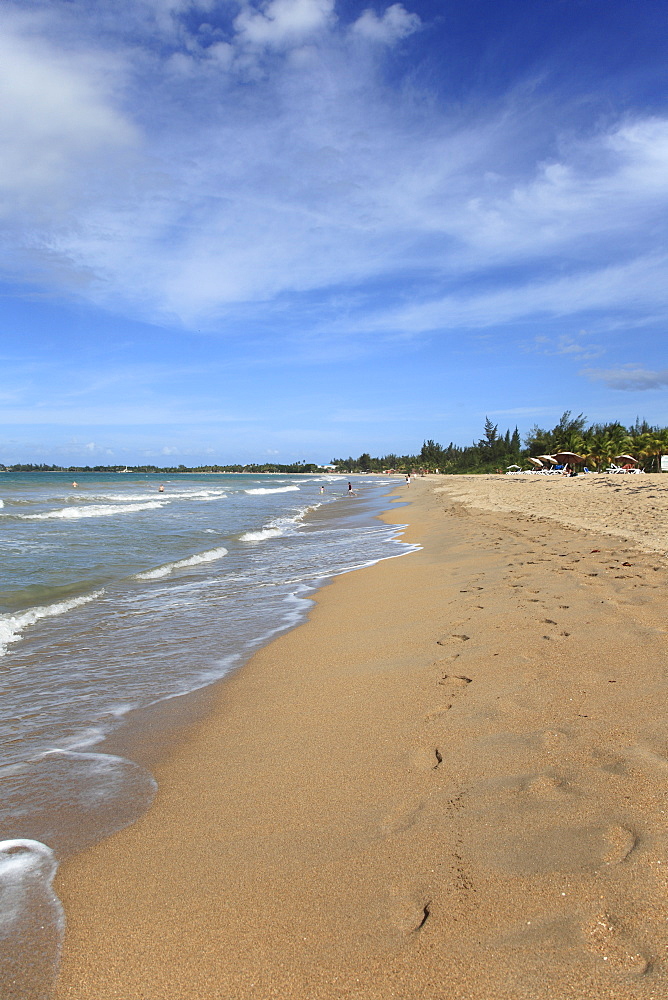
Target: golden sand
point(449, 783)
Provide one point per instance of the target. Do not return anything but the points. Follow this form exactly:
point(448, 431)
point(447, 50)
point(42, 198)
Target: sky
point(275, 230)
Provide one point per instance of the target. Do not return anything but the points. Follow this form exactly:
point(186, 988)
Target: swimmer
point(75, 484)
point(161, 488)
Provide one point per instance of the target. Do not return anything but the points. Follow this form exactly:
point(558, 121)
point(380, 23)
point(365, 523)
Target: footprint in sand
point(604, 937)
point(410, 909)
point(455, 684)
point(401, 819)
point(619, 842)
point(426, 758)
point(546, 788)
point(437, 713)
point(456, 681)
point(562, 848)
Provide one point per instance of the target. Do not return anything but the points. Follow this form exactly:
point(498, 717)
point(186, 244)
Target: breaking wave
point(201, 557)
point(94, 510)
point(279, 489)
point(12, 626)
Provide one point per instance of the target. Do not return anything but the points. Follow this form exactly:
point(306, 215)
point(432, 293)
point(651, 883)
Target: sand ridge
point(447, 784)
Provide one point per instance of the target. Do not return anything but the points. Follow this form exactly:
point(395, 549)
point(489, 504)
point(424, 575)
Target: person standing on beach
point(350, 489)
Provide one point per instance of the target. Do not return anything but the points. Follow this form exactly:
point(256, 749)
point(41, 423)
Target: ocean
point(114, 597)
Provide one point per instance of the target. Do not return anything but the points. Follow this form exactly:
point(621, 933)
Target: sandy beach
point(448, 784)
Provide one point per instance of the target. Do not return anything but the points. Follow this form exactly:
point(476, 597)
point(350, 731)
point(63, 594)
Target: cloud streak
point(179, 160)
point(629, 378)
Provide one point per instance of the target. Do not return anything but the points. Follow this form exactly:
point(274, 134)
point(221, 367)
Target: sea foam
point(279, 489)
point(167, 495)
point(32, 922)
point(11, 626)
point(94, 510)
point(201, 557)
point(260, 536)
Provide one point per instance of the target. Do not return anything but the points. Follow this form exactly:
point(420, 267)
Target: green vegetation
point(598, 443)
point(266, 467)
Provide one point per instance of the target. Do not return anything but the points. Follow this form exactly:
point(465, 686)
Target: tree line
point(295, 467)
point(599, 443)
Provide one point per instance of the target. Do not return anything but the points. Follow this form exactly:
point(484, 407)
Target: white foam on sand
point(32, 922)
point(201, 557)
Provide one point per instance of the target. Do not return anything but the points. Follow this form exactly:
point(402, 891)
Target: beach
point(447, 783)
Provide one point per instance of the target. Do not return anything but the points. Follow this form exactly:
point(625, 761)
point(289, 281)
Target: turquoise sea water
point(115, 596)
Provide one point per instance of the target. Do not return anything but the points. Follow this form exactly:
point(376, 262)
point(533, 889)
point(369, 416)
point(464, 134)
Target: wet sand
point(449, 783)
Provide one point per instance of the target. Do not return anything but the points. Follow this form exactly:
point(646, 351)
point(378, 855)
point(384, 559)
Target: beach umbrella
point(569, 456)
point(536, 462)
point(548, 459)
point(508, 467)
point(626, 458)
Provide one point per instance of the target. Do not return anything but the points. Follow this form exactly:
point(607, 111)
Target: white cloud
point(259, 155)
point(395, 23)
point(630, 378)
point(639, 284)
point(57, 120)
point(281, 22)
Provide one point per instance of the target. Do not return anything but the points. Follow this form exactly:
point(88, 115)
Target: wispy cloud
point(629, 378)
point(569, 345)
point(636, 284)
point(204, 156)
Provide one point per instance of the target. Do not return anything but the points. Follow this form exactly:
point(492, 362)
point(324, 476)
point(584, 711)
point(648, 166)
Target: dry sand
point(449, 783)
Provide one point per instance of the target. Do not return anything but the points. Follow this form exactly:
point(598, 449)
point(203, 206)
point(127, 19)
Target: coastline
point(447, 782)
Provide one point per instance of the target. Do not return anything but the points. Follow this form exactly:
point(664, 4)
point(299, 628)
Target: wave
point(11, 626)
point(201, 557)
point(167, 495)
point(2, 503)
point(259, 536)
point(42, 595)
point(94, 510)
point(280, 489)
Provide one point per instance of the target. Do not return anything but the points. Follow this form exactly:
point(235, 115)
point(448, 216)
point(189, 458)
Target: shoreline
point(147, 733)
point(431, 788)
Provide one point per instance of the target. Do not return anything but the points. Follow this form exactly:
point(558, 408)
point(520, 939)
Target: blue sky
point(240, 230)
